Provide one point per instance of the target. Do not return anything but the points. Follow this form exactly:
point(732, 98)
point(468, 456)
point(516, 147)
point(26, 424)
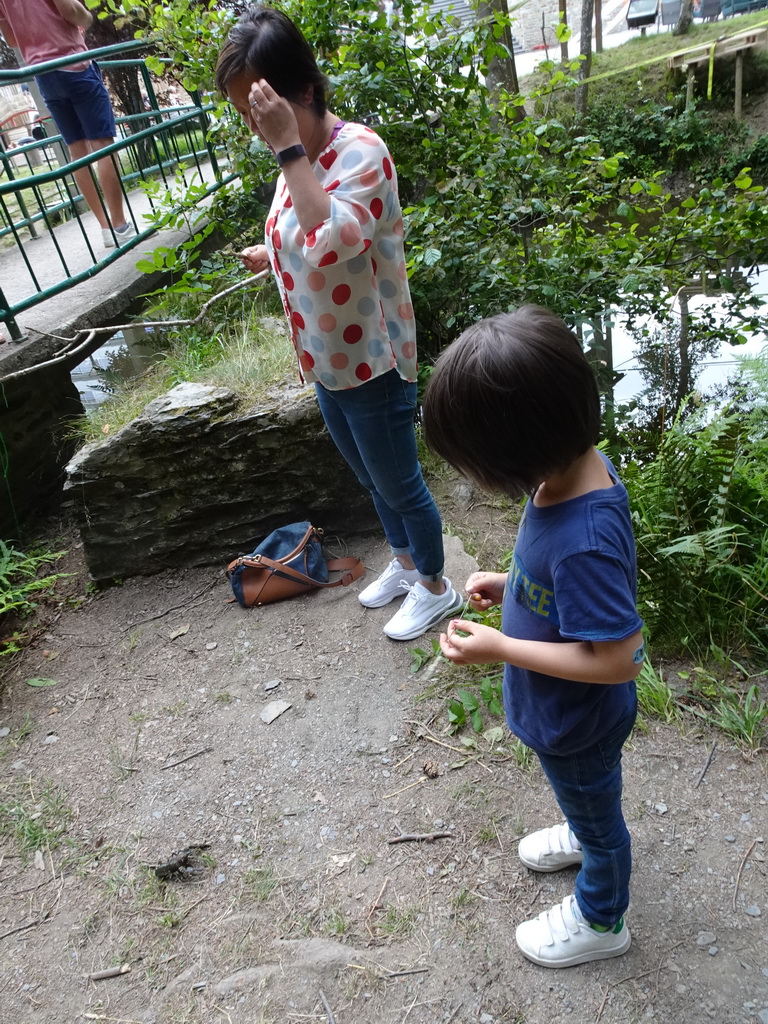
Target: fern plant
point(700, 510)
point(21, 583)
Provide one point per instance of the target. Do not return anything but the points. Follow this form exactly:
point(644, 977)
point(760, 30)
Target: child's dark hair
point(512, 401)
point(265, 43)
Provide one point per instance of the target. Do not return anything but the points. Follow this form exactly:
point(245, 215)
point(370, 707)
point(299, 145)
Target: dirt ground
point(299, 905)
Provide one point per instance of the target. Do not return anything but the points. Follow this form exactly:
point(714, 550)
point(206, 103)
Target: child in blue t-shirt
point(513, 404)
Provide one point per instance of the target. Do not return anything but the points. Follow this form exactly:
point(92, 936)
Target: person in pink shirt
point(334, 242)
point(76, 97)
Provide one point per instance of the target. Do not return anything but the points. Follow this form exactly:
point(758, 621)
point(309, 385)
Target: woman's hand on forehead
point(273, 115)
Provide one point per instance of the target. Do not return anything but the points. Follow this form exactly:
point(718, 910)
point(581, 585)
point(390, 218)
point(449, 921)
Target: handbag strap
point(352, 568)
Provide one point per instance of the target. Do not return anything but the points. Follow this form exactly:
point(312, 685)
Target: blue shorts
point(79, 103)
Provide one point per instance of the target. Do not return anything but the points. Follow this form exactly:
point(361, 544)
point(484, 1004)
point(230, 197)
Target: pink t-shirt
point(41, 32)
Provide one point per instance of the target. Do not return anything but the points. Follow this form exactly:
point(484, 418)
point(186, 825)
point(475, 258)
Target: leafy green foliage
point(468, 704)
point(700, 509)
point(21, 583)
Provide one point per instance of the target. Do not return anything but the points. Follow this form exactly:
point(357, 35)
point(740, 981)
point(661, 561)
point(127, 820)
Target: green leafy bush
point(700, 509)
point(21, 584)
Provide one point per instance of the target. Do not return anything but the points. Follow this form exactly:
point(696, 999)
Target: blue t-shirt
point(573, 577)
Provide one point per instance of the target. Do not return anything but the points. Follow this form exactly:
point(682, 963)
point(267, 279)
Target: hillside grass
point(623, 76)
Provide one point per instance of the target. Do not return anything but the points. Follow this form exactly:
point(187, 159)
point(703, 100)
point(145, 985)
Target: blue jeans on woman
point(587, 785)
point(372, 426)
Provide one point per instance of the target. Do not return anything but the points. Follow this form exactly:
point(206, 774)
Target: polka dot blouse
point(344, 285)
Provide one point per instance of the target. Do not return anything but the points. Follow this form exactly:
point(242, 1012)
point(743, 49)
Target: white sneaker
point(388, 586)
point(560, 937)
point(421, 610)
point(550, 849)
point(121, 234)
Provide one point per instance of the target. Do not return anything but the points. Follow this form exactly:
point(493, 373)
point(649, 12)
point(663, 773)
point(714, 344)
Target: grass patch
point(260, 883)
point(627, 82)
point(246, 350)
point(35, 820)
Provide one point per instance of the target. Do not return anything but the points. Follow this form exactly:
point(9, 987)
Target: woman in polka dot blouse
point(334, 242)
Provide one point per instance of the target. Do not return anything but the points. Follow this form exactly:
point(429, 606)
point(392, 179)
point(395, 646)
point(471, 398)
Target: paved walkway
point(102, 296)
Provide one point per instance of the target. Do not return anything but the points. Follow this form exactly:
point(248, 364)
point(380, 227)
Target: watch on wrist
point(286, 156)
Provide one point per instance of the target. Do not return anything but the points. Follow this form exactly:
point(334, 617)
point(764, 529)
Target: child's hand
point(482, 645)
point(486, 588)
point(254, 258)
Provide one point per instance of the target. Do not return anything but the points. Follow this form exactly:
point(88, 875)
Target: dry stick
point(65, 354)
point(397, 792)
point(706, 766)
point(175, 608)
point(636, 977)
point(741, 868)
point(109, 972)
point(408, 1011)
point(376, 903)
point(402, 974)
point(414, 837)
point(203, 750)
point(328, 1010)
point(23, 927)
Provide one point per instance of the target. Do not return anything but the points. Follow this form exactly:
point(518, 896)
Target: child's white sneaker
point(550, 849)
point(560, 937)
point(421, 610)
point(388, 586)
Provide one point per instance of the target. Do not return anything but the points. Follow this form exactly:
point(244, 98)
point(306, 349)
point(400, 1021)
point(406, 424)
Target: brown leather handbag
point(288, 562)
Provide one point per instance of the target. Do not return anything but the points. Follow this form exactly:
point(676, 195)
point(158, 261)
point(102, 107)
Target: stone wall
point(36, 412)
point(528, 24)
point(199, 478)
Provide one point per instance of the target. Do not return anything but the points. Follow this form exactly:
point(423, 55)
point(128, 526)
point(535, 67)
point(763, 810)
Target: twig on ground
point(175, 608)
point(741, 868)
point(375, 905)
point(706, 766)
point(30, 924)
point(454, 1013)
point(173, 764)
point(415, 837)
point(45, 881)
point(109, 972)
point(636, 977)
point(328, 1010)
point(408, 1011)
point(403, 974)
point(397, 792)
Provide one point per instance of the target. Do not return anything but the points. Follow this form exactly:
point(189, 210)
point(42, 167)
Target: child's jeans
point(588, 789)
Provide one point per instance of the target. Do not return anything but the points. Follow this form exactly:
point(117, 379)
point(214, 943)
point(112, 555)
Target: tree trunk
point(598, 26)
point(563, 21)
point(502, 71)
point(585, 48)
point(685, 20)
point(685, 376)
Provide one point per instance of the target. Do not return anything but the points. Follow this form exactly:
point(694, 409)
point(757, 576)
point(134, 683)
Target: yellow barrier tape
point(711, 68)
point(666, 56)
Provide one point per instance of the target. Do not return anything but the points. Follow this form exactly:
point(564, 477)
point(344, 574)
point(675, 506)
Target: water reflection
point(621, 346)
point(126, 355)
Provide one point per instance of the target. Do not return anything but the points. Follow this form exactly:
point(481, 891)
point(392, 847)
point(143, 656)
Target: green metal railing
point(33, 201)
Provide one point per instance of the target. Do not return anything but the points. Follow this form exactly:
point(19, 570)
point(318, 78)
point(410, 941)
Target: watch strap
point(286, 156)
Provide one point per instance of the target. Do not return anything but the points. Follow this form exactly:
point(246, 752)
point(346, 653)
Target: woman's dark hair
point(265, 43)
point(512, 401)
